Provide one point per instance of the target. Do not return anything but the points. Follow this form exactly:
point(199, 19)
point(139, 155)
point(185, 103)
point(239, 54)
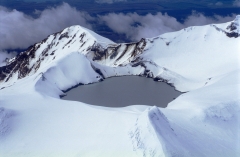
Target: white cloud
point(135, 26)
point(5, 55)
point(219, 4)
point(198, 19)
point(18, 30)
point(236, 3)
point(109, 1)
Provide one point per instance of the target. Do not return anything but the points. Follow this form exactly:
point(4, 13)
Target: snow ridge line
point(153, 136)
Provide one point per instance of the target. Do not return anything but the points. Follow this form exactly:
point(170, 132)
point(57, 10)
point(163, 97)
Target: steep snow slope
point(41, 56)
point(202, 122)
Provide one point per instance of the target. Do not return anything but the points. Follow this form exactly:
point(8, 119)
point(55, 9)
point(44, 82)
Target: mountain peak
point(55, 47)
point(233, 29)
point(236, 23)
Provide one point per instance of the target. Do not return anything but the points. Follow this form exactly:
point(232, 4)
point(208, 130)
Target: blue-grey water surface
point(124, 91)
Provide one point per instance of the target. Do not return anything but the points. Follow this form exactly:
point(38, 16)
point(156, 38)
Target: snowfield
point(202, 61)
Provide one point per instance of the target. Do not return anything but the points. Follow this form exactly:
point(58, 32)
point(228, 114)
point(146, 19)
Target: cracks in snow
point(143, 137)
point(5, 121)
point(224, 112)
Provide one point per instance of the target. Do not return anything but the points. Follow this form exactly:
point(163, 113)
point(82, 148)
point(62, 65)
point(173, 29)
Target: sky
point(23, 23)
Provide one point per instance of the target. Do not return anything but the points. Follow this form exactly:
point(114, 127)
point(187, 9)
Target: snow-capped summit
point(231, 29)
point(42, 55)
point(201, 60)
point(235, 26)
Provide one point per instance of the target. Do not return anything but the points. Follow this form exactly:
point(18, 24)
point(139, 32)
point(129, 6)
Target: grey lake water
point(124, 91)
